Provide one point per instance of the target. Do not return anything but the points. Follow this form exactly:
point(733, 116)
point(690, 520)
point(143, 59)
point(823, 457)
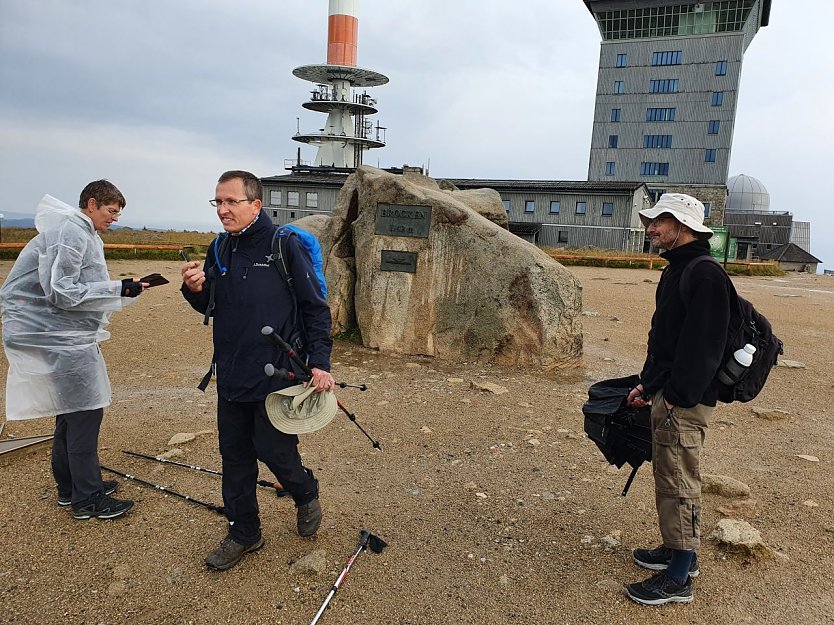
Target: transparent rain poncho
point(57, 301)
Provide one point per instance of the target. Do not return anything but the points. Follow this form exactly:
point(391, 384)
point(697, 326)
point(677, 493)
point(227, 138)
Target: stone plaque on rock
point(403, 220)
point(393, 260)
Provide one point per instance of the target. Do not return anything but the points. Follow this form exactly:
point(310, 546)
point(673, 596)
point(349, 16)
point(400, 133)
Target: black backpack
point(747, 325)
point(622, 433)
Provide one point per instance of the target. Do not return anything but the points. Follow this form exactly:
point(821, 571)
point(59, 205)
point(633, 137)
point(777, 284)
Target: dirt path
point(495, 507)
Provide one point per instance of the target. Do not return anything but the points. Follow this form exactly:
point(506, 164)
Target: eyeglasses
point(231, 203)
point(658, 220)
point(113, 213)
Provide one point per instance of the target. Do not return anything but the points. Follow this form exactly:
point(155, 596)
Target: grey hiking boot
point(102, 507)
point(230, 552)
point(308, 518)
point(110, 487)
point(657, 559)
point(660, 589)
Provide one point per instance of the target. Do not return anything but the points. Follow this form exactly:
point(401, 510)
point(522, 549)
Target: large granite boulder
point(474, 291)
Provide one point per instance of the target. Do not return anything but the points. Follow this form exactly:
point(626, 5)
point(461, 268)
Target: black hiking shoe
point(308, 518)
point(110, 487)
point(102, 507)
point(660, 589)
point(230, 552)
point(658, 560)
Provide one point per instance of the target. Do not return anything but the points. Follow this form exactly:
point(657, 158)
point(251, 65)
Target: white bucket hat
point(299, 409)
point(685, 208)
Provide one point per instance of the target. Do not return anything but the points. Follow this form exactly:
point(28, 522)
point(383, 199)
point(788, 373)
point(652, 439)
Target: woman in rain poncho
point(57, 301)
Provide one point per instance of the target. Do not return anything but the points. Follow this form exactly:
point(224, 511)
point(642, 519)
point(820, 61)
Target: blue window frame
point(717, 98)
point(709, 155)
point(529, 206)
point(619, 86)
point(657, 141)
point(622, 60)
point(714, 126)
point(613, 140)
point(674, 57)
point(555, 207)
point(615, 114)
point(707, 209)
point(660, 115)
point(654, 169)
point(581, 208)
point(506, 204)
point(610, 168)
point(721, 68)
point(667, 85)
point(607, 209)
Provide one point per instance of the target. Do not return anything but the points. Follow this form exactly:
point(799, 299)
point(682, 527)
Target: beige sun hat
point(685, 208)
point(299, 409)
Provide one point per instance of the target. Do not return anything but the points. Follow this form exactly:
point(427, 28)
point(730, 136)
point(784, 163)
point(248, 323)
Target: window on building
point(615, 115)
point(613, 140)
point(721, 68)
point(529, 206)
point(292, 214)
point(667, 58)
point(312, 199)
point(563, 236)
point(607, 209)
point(668, 85)
point(657, 141)
point(656, 193)
point(275, 214)
point(714, 126)
point(610, 168)
point(506, 204)
point(654, 169)
point(555, 207)
point(581, 208)
point(679, 19)
point(717, 98)
point(709, 155)
point(275, 198)
point(292, 198)
point(707, 209)
point(619, 86)
point(660, 114)
point(622, 60)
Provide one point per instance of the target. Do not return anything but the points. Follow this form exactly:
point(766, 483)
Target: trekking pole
point(279, 489)
point(366, 539)
point(210, 506)
point(283, 374)
point(282, 344)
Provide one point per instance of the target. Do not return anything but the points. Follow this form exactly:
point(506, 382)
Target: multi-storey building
point(667, 92)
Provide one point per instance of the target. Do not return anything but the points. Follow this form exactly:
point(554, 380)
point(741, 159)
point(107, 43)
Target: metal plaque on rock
point(392, 260)
point(403, 220)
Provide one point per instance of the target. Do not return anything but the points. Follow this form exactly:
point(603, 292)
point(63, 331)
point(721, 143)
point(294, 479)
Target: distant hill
point(26, 222)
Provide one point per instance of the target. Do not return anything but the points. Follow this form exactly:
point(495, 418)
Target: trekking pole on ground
point(271, 371)
point(366, 539)
point(210, 506)
point(279, 489)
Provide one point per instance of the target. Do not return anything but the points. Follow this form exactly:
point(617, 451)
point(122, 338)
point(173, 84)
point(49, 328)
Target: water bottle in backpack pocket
point(737, 367)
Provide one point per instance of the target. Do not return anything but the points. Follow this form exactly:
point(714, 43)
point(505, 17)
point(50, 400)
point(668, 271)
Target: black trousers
point(246, 436)
point(75, 463)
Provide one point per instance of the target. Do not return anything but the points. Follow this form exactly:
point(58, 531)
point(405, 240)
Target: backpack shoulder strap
point(217, 268)
point(280, 257)
point(686, 275)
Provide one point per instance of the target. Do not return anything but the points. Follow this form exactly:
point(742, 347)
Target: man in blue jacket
point(685, 348)
point(249, 293)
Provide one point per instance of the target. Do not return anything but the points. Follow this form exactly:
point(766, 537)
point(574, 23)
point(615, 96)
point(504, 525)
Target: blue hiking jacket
point(249, 295)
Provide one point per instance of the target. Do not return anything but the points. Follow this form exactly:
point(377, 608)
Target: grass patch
point(354, 335)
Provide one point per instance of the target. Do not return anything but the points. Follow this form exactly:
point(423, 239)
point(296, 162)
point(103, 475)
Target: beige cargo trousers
point(677, 438)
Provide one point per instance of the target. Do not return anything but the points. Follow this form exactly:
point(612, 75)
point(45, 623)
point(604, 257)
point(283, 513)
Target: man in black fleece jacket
point(251, 294)
point(686, 344)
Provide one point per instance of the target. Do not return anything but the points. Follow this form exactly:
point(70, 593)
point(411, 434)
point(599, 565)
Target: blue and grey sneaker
point(110, 487)
point(102, 507)
point(658, 560)
point(660, 589)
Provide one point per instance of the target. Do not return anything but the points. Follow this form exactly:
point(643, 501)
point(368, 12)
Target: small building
point(758, 233)
point(791, 257)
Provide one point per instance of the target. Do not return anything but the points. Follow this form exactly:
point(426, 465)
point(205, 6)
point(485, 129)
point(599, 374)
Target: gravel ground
point(496, 508)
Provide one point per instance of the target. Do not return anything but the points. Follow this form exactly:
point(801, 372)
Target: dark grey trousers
point(75, 464)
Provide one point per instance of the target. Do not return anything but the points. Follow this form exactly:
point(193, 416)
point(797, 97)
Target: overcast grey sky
point(160, 96)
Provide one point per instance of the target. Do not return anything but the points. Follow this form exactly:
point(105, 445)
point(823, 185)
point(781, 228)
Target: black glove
point(131, 288)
